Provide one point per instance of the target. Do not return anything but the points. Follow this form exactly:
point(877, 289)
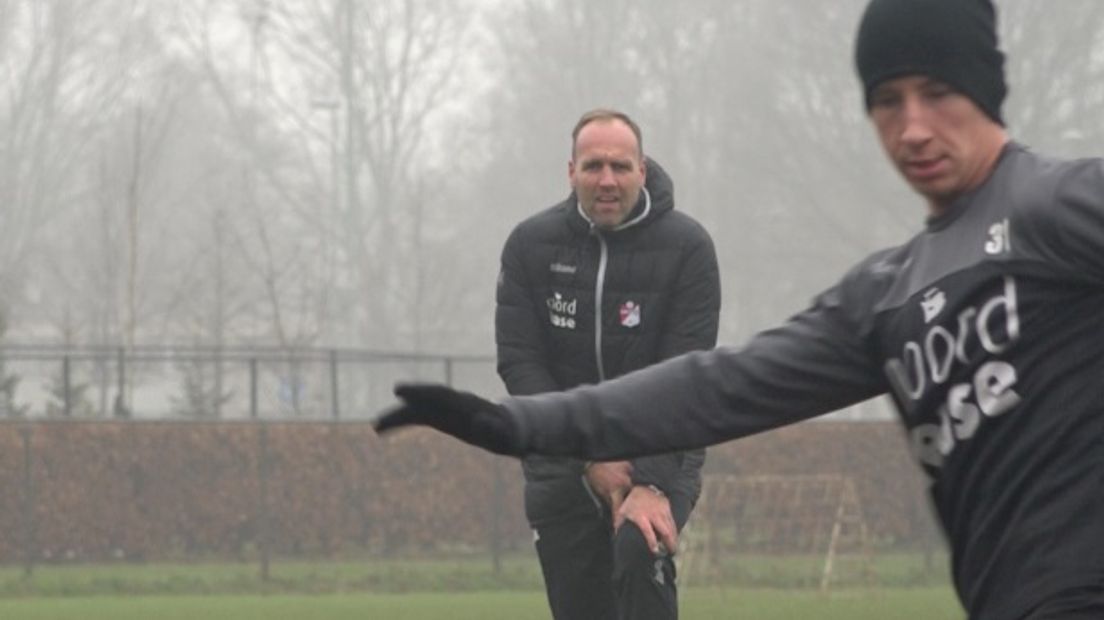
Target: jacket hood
point(660, 187)
point(657, 199)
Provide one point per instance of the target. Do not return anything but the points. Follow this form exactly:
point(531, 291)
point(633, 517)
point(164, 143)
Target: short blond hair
point(607, 114)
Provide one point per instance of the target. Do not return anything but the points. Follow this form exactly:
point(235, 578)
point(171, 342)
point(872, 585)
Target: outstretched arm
point(815, 363)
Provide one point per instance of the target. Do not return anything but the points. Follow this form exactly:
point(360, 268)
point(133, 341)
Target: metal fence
point(236, 383)
point(200, 382)
point(158, 453)
point(823, 504)
point(79, 491)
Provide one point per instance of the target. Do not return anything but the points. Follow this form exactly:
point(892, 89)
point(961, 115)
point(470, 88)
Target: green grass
point(762, 587)
point(899, 570)
point(458, 574)
point(454, 606)
point(462, 573)
point(697, 604)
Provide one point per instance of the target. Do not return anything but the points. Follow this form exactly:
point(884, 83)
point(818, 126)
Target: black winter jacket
point(578, 305)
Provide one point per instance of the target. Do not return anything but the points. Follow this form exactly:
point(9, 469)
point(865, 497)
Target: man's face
point(606, 171)
point(939, 140)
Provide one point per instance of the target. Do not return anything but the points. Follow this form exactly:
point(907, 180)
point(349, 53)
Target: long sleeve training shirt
point(986, 329)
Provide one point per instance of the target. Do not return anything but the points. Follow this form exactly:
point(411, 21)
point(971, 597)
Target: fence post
point(29, 544)
point(497, 508)
point(66, 386)
point(262, 499)
point(296, 382)
point(217, 403)
point(253, 387)
point(120, 408)
point(335, 405)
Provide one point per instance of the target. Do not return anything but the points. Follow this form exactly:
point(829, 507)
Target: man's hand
point(463, 415)
point(650, 510)
point(610, 481)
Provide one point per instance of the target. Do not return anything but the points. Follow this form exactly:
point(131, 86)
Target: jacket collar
point(639, 213)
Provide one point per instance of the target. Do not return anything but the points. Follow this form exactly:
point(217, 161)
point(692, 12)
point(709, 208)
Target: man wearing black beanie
point(954, 41)
point(933, 83)
point(985, 329)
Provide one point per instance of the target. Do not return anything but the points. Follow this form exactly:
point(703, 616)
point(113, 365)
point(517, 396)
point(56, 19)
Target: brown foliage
point(155, 490)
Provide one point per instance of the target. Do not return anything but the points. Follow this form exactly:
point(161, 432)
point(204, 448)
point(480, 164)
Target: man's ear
point(571, 172)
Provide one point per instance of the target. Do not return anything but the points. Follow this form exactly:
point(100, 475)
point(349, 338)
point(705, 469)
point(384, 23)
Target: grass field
point(703, 604)
point(460, 573)
point(457, 588)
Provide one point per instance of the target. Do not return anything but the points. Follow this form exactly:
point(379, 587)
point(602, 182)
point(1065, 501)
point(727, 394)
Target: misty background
point(271, 210)
point(340, 174)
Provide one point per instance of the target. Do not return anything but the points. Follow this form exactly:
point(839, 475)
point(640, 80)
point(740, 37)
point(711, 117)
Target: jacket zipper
point(600, 281)
point(599, 284)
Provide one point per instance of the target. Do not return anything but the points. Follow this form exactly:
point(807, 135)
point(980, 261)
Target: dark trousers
point(590, 573)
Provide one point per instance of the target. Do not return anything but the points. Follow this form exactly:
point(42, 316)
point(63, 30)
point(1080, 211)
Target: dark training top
point(987, 329)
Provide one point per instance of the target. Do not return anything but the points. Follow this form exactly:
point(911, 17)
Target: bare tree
point(755, 109)
point(1056, 74)
point(331, 172)
point(47, 111)
point(330, 196)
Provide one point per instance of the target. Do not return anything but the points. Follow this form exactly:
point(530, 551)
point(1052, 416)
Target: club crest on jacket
point(630, 314)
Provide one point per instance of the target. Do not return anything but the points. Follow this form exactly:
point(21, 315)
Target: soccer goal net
point(800, 530)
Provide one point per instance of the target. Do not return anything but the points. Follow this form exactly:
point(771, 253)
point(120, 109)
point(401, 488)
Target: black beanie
point(954, 41)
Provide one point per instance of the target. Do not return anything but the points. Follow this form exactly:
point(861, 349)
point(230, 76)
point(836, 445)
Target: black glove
point(463, 415)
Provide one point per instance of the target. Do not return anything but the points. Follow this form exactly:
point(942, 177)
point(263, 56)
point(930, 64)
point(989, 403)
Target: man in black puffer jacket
point(608, 281)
